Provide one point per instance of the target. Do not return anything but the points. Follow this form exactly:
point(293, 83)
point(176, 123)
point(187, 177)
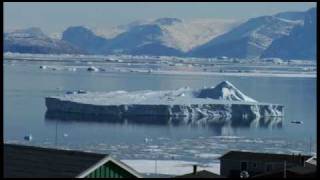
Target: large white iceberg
point(220, 103)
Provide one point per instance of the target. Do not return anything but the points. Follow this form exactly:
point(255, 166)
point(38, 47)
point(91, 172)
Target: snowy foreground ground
point(169, 167)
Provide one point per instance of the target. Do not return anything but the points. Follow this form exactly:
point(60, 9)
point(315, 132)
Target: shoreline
point(289, 75)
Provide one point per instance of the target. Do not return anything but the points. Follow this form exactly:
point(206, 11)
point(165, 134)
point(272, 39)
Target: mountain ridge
point(275, 36)
point(33, 40)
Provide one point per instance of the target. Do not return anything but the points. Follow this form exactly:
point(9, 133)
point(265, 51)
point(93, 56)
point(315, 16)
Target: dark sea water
point(26, 86)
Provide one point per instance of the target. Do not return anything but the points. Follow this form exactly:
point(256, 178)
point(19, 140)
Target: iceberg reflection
point(219, 122)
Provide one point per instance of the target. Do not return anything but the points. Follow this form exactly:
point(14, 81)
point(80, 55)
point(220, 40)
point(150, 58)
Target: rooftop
point(261, 156)
point(312, 160)
point(29, 161)
point(200, 174)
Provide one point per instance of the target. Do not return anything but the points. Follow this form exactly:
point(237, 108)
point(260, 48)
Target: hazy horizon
point(55, 17)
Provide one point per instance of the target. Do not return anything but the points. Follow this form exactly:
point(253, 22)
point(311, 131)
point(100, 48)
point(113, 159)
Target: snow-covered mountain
point(134, 39)
point(287, 35)
point(301, 43)
point(186, 35)
point(33, 40)
point(141, 39)
point(292, 15)
point(248, 40)
point(164, 36)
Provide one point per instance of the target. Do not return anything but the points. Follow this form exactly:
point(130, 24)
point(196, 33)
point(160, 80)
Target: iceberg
point(221, 103)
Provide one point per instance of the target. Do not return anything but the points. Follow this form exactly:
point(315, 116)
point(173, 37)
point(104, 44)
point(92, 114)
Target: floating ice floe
point(223, 102)
point(297, 122)
point(81, 91)
point(76, 92)
point(28, 137)
point(70, 92)
point(92, 69)
point(43, 67)
point(72, 69)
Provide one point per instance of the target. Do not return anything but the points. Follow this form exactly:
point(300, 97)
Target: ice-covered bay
point(127, 140)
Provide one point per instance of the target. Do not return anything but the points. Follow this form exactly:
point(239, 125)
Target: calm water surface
point(26, 86)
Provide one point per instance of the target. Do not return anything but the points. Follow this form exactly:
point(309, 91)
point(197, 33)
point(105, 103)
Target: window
point(254, 165)
point(244, 166)
point(268, 167)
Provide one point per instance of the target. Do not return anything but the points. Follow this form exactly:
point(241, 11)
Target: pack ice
point(223, 101)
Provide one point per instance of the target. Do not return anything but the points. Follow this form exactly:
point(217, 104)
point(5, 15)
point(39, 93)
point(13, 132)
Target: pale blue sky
point(55, 17)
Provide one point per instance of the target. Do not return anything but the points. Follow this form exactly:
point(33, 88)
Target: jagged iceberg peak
point(224, 91)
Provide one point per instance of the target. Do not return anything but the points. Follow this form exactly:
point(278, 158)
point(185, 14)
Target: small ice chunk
point(28, 137)
point(92, 69)
point(70, 92)
point(146, 140)
point(297, 122)
point(43, 67)
point(72, 69)
point(81, 91)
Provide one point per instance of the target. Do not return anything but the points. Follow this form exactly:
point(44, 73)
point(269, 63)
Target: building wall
point(232, 168)
point(110, 170)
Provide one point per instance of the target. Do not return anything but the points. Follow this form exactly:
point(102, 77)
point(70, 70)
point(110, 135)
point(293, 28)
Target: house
point(200, 174)
point(29, 161)
point(235, 162)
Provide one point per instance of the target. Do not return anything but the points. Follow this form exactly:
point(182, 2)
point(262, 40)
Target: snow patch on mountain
point(109, 32)
point(189, 34)
point(249, 39)
point(176, 33)
point(113, 31)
